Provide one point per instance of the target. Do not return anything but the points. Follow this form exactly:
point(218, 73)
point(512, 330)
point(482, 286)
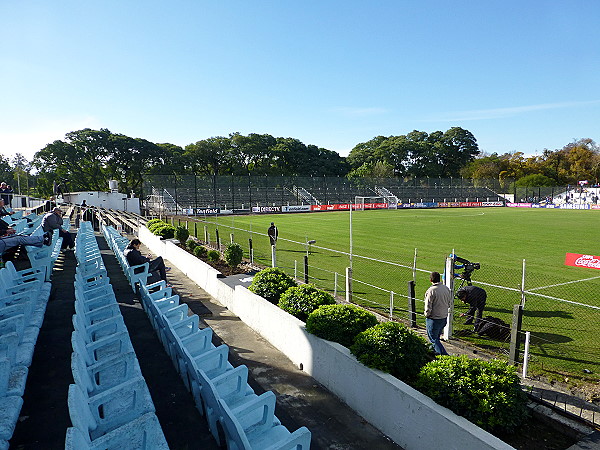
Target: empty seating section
point(24, 295)
point(235, 414)
point(109, 403)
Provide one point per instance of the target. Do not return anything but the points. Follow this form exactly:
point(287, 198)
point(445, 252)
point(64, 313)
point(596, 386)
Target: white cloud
point(496, 113)
point(31, 140)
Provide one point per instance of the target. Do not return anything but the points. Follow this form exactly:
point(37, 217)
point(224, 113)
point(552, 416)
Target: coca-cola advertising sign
point(578, 260)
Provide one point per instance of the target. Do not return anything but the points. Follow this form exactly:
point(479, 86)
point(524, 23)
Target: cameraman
point(475, 297)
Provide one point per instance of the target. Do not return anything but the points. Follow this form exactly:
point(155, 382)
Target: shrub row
point(488, 393)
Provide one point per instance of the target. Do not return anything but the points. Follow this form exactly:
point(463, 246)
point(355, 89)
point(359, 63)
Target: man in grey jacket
point(437, 303)
point(54, 221)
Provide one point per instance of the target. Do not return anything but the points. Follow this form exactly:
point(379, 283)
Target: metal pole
point(273, 257)
point(351, 236)
point(515, 335)
point(295, 269)
point(449, 282)
point(349, 284)
point(523, 286)
point(391, 304)
point(306, 269)
point(415, 267)
point(335, 284)
point(526, 353)
point(412, 310)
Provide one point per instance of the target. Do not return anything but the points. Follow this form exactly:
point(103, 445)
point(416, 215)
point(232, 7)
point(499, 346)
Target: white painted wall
point(411, 419)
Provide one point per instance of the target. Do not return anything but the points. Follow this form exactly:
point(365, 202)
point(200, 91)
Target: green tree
point(535, 180)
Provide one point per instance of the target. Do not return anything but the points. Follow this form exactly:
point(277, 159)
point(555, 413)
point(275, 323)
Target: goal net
point(378, 202)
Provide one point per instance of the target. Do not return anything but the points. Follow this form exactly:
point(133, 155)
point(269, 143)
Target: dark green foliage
point(233, 254)
point(270, 283)
point(155, 225)
point(488, 393)
point(393, 348)
point(300, 301)
point(213, 255)
point(181, 234)
point(165, 231)
point(339, 323)
point(200, 251)
point(191, 244)
point(152, 222)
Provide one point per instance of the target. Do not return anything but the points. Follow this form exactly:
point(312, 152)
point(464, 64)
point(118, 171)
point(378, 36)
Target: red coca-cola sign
point(578, 260)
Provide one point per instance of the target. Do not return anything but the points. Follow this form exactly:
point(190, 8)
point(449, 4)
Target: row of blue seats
point(44, 257)
point(24, 295)
point(21, 224)
point(109, 403)
point(236, 416)
point(117, 243)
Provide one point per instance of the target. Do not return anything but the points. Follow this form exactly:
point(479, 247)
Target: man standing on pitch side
point(437, 303)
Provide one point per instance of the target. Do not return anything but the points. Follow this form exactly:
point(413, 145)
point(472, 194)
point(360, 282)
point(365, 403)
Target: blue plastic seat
point(253, 426)
point(110, 409)
point(106, 374)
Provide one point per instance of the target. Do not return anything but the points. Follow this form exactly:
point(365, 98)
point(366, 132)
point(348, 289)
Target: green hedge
point(270, 283)
point(339, 323)
point(213, 255)
point(488, 393)
point(300, 301)
point(393, 348)
point(233, 254)
point(181, 234)
point(200, 251)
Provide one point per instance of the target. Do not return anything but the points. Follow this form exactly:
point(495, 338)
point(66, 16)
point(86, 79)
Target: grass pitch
point(565, 338)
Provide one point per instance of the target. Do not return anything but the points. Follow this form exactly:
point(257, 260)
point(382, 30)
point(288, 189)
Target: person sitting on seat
point(54, 221)
point(135, 258)
point(9, 239)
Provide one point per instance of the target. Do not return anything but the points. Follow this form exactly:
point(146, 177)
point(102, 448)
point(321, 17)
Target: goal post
point(374, 202)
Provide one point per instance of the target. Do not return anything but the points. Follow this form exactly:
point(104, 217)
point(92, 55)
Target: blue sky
point(520, 75)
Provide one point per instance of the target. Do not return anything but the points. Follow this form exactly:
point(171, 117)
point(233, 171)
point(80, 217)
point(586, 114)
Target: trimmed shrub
point(200, 251)
point(181, 234)
point(270, 283)
point(488, 393)
point(166, 231)
point(153, 227)
point(191, 244)
point(152, 222)
point(233, 254)
point(300, 301)
point(339, 323)
point(393, 348)
point(213, 255)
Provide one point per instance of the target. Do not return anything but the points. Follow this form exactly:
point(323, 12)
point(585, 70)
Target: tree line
point(86, 159)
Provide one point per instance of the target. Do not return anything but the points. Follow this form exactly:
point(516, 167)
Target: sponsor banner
point(205, 211)
point(296, 208)
point(346, 206)
point(449, 204)
point(578, 260)
point(595, 207)
point(519, 205)
point(492, 204)
point(266, 209)
point(470, 204)
point(573, 206)
point(425, 204)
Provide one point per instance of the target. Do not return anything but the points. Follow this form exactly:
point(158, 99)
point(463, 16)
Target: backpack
point(494, 328)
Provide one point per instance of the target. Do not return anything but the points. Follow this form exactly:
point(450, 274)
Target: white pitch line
point(563, 284)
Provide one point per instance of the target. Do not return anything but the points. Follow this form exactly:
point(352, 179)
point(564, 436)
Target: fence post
point(195, 229)
point(206, 235)
point(449, 282)
point(391, 304)
point(218, 239)
point(515, 335)
point(273, 256)
point(412, 313)
point(523, 286)
point(349, 284)
point(295, 269)
point(231, 238)
point(250, 250)
point(335, 283)
point(306, 269)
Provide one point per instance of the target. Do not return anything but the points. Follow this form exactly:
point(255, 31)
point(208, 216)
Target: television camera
point(467, 268)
